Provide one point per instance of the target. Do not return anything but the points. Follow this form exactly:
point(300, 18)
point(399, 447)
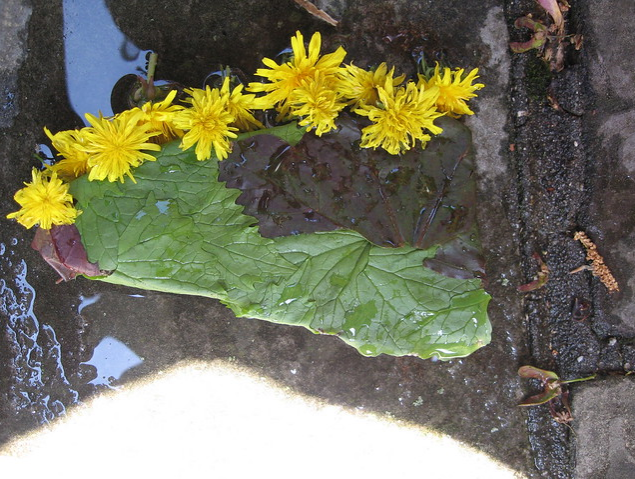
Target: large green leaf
point(179, 229)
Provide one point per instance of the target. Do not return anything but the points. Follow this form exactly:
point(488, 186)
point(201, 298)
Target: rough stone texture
point(549, 159)
point(14, 16)
point(604, 410)
point(605, 428)
point(488, 126)
point(613, 165)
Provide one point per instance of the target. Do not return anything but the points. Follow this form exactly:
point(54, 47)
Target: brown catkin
point(598, 267)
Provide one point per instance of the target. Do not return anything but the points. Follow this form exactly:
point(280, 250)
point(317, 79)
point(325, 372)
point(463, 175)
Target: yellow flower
point(44, 201)
point(455, 89)
point(71, 145)
point(115, 145)
point(403, 115)
point(160, 115)
point(317, 103)
point(206, 123)
point(360, 86)
point(239, 106)
point(287, 77)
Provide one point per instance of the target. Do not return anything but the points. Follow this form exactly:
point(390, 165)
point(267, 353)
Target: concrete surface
point(543, 173)
point(605, 428)
point(604, 410)
point(613, 167)
point(13, 22)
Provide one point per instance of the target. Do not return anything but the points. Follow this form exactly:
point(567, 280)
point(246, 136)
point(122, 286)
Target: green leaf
point(179, 229)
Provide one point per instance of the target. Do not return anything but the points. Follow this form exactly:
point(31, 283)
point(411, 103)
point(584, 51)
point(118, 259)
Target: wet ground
point(544, 173)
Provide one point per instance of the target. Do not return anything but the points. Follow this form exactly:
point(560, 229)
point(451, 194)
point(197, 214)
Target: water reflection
point(112, 358)
point(87, 301)
point(38, 388)
point(97, 55)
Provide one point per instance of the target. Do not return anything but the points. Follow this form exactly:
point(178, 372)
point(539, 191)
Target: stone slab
point(604, 413)
point(613, 170)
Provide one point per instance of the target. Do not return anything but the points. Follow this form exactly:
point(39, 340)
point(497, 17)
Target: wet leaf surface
point(179, 229)
point(278, 213)
point(62, 248)
point(421, 198)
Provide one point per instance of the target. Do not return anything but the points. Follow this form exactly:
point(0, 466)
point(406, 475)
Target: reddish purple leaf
point(278, 213)
point(541, 277)
point(537, 373)
point(422, 198)
point(530, 23)
point(553, 9)
point(62, 248)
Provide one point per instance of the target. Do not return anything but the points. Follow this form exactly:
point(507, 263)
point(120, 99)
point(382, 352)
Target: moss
point(538, 78)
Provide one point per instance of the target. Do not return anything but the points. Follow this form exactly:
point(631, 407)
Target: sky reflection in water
point(97, 55)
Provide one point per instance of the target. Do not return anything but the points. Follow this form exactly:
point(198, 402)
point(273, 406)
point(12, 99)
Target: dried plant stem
point(316, 12)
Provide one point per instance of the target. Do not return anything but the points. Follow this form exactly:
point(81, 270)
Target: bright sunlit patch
point(215, 420)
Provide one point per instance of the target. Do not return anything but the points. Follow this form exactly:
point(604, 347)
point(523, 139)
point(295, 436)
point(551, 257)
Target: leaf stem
point(152, 65)
point(578, 380)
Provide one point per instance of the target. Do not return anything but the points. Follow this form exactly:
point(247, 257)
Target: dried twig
point(316, 12)
point(598, 268)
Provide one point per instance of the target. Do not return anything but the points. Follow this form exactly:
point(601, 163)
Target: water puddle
point(97, 55)
point(39, 390)
point(111, 358)
point(87, 301)
point(38, 386)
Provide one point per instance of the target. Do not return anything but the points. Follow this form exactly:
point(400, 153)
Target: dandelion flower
point(71, 145)
point(239, 106)
point(287, 77)
point(403, 115)
point(360, 86)
point(317, 103)
point(160, 115)
point(206, 123)
point(115, 145)
point(44, 201)
point(455, 89)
